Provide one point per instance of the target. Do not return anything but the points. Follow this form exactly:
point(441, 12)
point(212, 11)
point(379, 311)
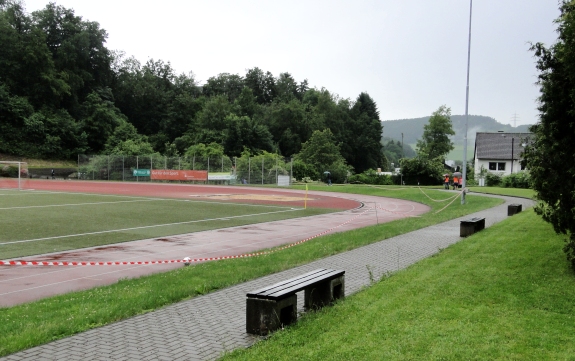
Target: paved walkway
point(204, 327)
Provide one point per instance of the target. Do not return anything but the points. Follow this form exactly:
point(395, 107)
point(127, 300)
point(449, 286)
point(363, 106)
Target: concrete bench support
point(514, 209)
point(471, 226)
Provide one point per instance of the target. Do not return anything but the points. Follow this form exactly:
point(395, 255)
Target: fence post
point(222, 163)
point(123, 168)
point(166, 162)
point(249, 170)
point(263, 158)
point(208, 166)
point(137, 167)
point(276, 171)
point(194, 162)
point(108, 168)
point(291, 172)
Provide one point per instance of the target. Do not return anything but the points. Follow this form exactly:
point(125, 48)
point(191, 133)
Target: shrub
point(423, 171)
point(517, 180)
point(493, 179)
point(371, 177)
point(303, 170)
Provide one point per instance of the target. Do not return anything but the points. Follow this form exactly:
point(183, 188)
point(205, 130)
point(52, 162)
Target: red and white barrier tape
point(186, 260)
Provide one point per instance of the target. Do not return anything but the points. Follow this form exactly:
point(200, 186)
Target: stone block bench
point(470, 226)
point(514, 209)
point(272, 307)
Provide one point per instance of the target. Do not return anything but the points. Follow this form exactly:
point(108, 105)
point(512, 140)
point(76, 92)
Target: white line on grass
point(144, 227)
point(158, 199)
point(79, 204)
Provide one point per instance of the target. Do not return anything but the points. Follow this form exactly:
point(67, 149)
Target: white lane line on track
point(153, 226)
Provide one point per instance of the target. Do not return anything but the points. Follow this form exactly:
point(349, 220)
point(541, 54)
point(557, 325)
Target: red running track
point(20, 284)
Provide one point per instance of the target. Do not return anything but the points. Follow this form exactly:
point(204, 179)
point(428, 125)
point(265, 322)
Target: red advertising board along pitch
point(182, 175)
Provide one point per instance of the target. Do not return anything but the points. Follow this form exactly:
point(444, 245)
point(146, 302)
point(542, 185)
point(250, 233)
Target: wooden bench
point(272, 307)
point(470, 226)
point(514, 208)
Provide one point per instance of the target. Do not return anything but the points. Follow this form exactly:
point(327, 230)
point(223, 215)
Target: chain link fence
point(259, 170)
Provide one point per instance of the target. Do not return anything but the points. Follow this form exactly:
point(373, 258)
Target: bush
point(9, 171)
point(493, 179)
point(517, 180)
point(371, 177)
point(422, 171)
point(340, 171)
point(303, 170)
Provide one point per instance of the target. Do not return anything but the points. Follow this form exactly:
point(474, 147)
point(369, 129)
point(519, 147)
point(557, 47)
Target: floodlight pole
point(464, 178)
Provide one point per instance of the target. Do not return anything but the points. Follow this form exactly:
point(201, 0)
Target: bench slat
point(295, 284)
point(284, 283)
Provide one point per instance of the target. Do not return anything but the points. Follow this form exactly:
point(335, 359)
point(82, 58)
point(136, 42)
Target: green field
point(41, 222)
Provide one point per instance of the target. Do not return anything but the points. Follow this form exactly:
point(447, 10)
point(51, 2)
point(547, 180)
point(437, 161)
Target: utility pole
point(464, 178)
point(514, 118)
point(402, 156)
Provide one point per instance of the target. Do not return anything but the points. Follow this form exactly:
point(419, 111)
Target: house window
point(492, 166)
point(500, 166)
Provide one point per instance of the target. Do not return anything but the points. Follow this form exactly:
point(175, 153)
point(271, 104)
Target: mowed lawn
point(42, 222)
point(505, 293)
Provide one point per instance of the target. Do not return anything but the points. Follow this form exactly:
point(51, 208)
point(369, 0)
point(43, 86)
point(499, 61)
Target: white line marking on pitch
point(154, 199)
point(144, 227)
point(79, 204)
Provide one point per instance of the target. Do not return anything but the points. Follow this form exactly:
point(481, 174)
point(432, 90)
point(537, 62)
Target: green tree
point(78, 52)
point(246, 133)
point(230, 85)
point(362, 147)
point(100, 119)
point(421, 170)
point(263, 85)
point(125, 140)
point(26, 64)
point(435, 141)
point(212, 150)
point(289, 124)
point(323, 154)
point(549, 157)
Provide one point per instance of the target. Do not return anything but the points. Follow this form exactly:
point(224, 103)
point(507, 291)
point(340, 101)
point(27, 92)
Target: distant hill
point(412, 129)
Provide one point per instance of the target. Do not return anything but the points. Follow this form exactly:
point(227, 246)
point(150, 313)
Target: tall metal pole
point(512, 141)
point(464, 178)
point(401, 168)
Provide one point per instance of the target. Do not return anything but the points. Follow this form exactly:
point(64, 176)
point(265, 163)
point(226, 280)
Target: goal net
point(13, 174)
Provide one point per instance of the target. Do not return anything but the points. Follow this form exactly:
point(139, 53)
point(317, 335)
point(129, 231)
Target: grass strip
point(36, 323)
point(513, 192)
point(505, 293)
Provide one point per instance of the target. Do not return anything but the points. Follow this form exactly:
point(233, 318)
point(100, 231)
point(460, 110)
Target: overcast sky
point(409, 55)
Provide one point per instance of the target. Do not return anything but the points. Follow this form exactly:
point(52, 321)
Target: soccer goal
point(12, 174)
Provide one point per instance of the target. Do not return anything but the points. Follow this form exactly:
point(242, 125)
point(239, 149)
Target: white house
point(500, 152)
